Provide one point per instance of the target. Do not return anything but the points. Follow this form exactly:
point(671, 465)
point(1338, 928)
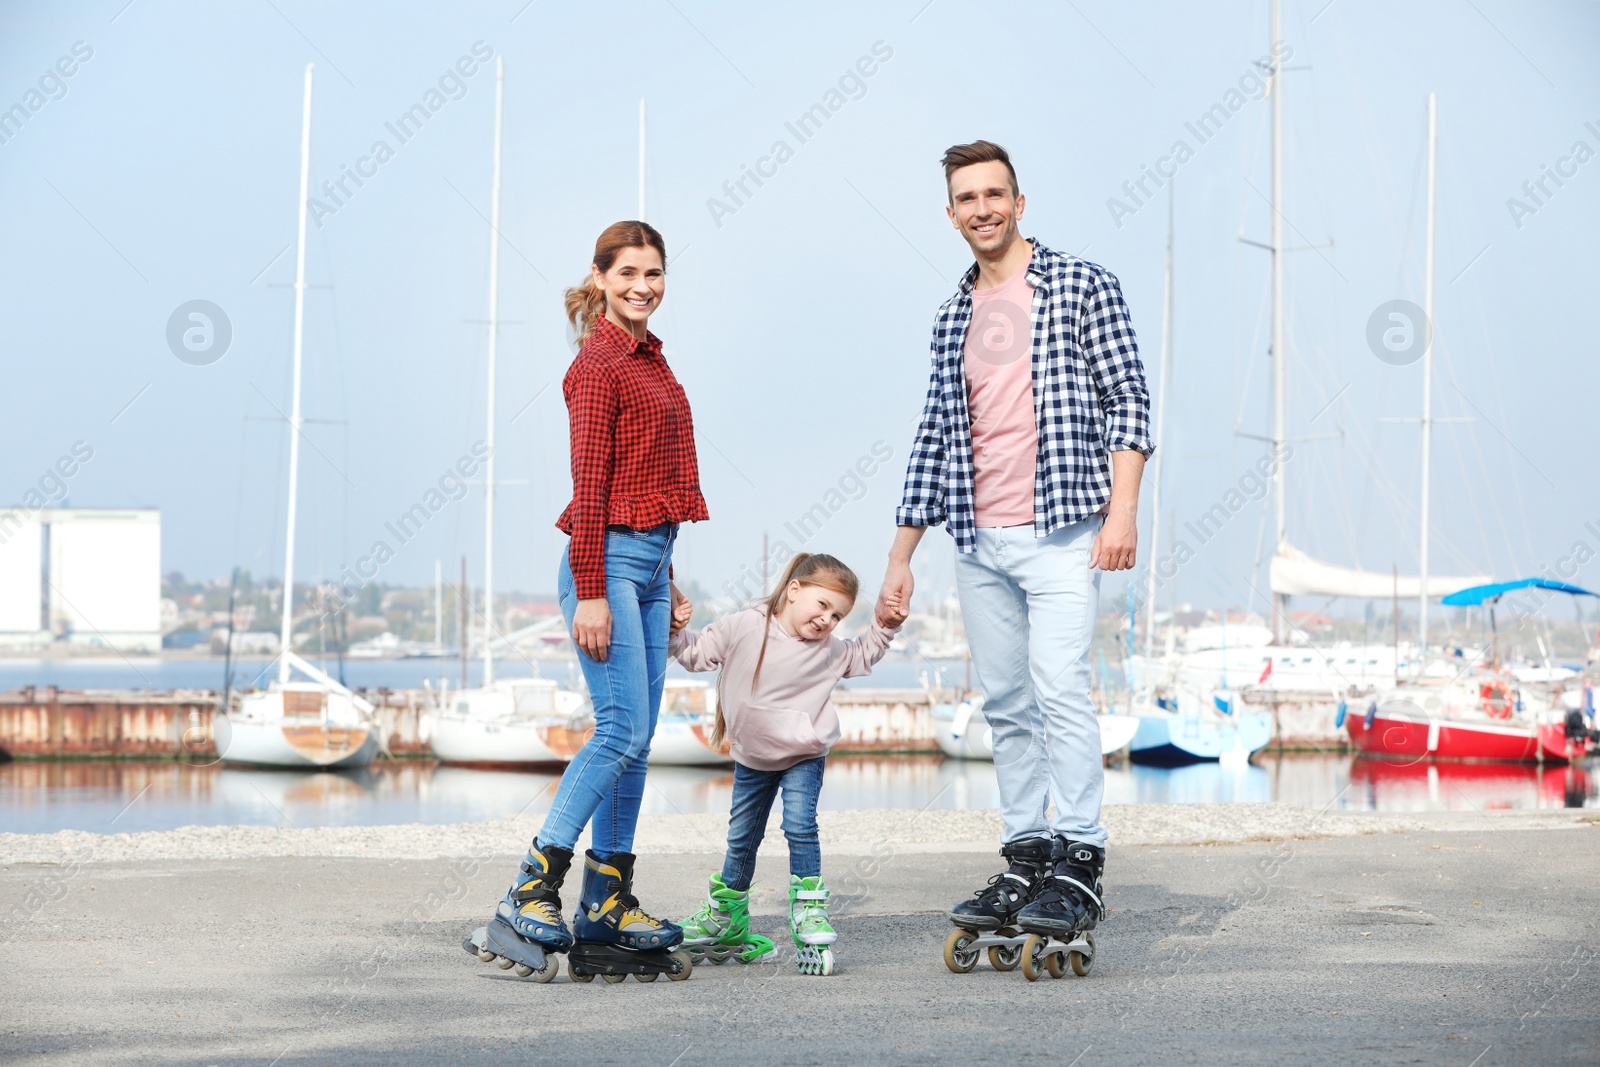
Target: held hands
point(891, 611)
point(591, 627)
point(682, 610)
point(894, 598)
point(1115, 545)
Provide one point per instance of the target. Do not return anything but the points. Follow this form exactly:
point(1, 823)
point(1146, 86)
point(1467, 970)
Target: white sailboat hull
point(965, 734)
point(680, 742)
point(464, 740)
point(298, 725)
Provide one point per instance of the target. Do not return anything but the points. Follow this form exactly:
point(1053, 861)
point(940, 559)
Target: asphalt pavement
point(1473, 947)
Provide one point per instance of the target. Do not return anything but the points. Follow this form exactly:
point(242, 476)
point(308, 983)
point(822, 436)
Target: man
point(1030, 449)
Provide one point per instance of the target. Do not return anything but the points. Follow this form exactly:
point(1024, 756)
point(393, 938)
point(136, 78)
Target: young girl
point(780, 663)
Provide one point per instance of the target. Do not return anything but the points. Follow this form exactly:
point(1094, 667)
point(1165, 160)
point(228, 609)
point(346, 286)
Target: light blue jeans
point(605, 780)
point(1029, 607)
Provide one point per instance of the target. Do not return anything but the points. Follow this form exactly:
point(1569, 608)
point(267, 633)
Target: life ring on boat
point(1496, 699)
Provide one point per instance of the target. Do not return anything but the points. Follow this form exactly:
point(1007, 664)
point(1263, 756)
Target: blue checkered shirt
point(1089, 400)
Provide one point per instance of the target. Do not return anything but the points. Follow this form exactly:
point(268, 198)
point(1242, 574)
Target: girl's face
point(633, 287)
point(812, 611)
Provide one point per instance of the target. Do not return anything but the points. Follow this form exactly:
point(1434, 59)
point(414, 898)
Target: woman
point(634, 480)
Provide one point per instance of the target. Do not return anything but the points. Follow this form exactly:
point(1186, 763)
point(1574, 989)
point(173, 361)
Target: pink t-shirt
point(1005, 435)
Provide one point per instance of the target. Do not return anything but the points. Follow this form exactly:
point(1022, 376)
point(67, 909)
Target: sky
point(164, 170)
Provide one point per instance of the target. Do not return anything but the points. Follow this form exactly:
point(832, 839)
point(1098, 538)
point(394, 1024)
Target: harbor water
point(106, 796)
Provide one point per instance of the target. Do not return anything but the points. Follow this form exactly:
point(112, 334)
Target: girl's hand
point(891, 610)
point(591, 627)
point(682, 612)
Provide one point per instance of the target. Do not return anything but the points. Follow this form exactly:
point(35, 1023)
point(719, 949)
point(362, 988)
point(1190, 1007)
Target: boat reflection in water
point(1432, 785)
point(113, 796)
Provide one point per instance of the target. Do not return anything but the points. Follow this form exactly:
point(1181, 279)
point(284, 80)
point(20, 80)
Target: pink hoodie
point(790, 717)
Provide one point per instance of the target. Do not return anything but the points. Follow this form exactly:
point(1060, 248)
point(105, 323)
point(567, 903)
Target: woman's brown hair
point(807, 568)
point(585, 303)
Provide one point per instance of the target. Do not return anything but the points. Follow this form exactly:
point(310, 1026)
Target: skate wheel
point(1004, 959)
point(613, 979)
point(522, 970)
point(825, 967)
point(1033, 958)
point(683, 966)
point(505, 963)
point(485, 955)
point(957, 956)
point(1056, 964)
point(547, 973)
point(577, 975)
point(651, 977)
point(1082, 961)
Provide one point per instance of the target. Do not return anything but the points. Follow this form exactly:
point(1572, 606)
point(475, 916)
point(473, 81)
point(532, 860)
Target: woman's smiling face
point(633, 287)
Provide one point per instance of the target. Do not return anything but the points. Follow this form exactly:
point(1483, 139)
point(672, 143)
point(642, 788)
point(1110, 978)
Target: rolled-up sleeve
point(922, 503)
point(1112, 351)
point(592, 411)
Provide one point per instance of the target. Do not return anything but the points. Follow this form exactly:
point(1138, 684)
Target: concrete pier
point(1456, 939)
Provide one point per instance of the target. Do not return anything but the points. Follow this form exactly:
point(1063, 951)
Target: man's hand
point(894, 596)
point(682, 612)
point(1116, 544)
point(591, 627)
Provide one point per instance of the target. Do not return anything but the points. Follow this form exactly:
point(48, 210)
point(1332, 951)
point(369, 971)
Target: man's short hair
point(965, 155)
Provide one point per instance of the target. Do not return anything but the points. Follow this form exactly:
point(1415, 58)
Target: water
point(162, 673)
point(124, 796)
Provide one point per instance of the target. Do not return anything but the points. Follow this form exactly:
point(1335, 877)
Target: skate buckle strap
point(523, 896)
point(811, 894)
point(1092, 894)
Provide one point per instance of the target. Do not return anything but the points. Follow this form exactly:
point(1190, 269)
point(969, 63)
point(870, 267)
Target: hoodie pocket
point(765, 733)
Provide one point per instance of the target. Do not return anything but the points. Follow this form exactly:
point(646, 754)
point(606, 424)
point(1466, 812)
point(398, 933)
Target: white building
point(86, 576)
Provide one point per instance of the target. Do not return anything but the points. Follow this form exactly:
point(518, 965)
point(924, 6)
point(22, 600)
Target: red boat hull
point(1399, 736)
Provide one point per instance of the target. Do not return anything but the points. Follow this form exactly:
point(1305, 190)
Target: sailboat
point(1277, 666)
point(511, 721)
point(317, 723)
point(1177, 720)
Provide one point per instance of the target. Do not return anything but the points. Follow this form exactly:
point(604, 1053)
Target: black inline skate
point(613, 936)
point(989, 919)
point(1066, 905)
point(527, 929)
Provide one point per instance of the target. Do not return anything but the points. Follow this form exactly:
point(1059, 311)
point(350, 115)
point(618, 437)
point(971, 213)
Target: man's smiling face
point(984, 207)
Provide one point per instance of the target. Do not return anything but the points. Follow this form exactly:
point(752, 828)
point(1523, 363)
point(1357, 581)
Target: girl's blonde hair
point(807, 568)
point(585, 302)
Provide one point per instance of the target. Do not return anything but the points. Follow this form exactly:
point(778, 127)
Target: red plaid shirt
point(633, 459)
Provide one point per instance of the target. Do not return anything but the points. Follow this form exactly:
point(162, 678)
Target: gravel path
point(843, 833)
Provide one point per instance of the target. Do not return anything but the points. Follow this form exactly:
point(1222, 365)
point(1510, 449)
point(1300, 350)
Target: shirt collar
point(616, 339)
point(1035, 271)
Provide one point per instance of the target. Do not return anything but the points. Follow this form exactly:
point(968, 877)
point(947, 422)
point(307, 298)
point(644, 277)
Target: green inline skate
point(720, 930)
point(808, 925)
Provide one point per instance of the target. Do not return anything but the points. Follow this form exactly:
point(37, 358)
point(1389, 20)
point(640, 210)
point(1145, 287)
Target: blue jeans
point(1029, 607)
point(605, 780)
point(753, 794)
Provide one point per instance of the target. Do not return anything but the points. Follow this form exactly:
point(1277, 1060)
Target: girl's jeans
point(753, 794)
point(605, 780)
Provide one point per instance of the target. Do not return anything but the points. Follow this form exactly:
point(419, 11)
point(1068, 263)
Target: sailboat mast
point(1161, 441)
point(494, 337)
point(294, 409)
point(1280, 607)
point(1427, 393)
point(641, 157)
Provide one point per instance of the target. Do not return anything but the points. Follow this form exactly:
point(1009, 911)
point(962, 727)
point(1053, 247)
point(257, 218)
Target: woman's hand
point(591, 627)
